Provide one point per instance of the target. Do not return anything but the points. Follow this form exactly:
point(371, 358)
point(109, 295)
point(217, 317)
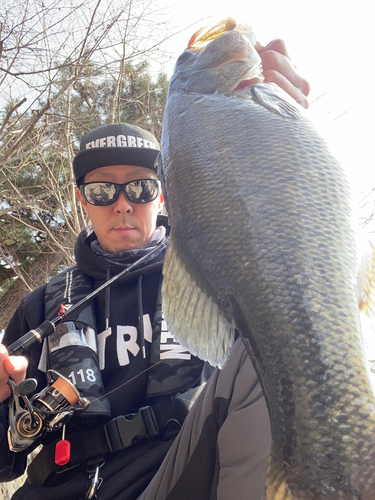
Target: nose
point(122, 204)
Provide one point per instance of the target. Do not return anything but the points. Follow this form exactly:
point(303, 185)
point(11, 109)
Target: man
point(138, 364)
point(119, 190)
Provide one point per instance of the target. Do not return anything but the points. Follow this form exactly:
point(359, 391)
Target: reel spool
point(60, 394)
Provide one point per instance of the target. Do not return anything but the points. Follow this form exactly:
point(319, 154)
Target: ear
point(82, 201)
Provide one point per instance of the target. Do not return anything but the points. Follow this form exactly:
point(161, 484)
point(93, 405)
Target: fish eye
point(185, 57)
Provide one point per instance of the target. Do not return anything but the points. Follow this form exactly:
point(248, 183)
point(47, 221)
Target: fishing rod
point(35, 337)
point(56, 404)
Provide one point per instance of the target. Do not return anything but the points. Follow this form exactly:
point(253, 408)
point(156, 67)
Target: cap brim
point(90, 159)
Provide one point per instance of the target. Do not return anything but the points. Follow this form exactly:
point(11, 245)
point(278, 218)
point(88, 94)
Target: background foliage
point(65, 69)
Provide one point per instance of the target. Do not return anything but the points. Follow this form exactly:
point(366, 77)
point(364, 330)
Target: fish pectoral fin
point(274, 99)
point(192, 315)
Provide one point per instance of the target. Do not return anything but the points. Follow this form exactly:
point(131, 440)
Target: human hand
point(10, 366)
point(278, 68)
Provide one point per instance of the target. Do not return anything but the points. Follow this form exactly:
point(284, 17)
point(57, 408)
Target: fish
point(262, 242)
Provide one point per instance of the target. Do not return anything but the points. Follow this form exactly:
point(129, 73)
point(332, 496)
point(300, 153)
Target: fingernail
point(3, 349)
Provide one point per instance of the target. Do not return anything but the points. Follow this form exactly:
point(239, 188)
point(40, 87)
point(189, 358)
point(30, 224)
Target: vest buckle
point(122, 431)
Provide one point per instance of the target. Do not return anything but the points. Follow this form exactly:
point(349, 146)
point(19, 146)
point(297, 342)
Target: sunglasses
point(102, 194)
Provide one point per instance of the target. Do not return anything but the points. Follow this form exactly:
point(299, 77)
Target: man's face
point(123, 225)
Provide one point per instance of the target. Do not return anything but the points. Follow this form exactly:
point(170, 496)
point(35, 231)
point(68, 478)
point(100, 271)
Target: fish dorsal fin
point(192, 315)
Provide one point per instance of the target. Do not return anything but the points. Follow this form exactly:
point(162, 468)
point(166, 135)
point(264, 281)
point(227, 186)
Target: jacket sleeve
point(222, 449)
point(29, 314)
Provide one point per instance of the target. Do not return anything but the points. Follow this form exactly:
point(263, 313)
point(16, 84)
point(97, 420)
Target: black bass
point(261, 241)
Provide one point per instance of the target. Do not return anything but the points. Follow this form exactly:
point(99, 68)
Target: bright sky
point(329, 42)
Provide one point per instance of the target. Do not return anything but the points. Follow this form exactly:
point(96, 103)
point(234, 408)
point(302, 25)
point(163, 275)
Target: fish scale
point(261, 240)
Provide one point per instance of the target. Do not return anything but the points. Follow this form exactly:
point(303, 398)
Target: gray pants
point(222, 450)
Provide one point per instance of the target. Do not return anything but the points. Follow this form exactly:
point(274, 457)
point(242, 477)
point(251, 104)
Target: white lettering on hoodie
point(126, 341)
point(123, 346)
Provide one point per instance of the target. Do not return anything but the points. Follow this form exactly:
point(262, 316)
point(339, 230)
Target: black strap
point(163, 418)
point(117, 434)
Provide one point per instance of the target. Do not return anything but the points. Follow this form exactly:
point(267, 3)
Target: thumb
point(16, 367)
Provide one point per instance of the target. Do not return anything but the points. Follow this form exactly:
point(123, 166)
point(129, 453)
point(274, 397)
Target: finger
point(16, 367)
point(10, 366)
point(3, 356)
point(4, 375)
point(274, 61)
point(278, 45)
point(273, 76)
point(13, 367)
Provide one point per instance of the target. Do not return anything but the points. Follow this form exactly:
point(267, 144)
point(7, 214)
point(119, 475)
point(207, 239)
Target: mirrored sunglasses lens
point(142, 191)
point(100, 193)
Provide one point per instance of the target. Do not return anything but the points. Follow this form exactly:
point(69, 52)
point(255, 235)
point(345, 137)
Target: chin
point(125, 247)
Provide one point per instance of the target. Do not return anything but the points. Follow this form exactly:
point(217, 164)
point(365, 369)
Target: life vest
point(72, 349)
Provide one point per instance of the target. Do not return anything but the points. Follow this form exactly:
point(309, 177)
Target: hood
point(95, 265)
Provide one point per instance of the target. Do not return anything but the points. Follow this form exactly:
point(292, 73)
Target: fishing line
point(125, 383)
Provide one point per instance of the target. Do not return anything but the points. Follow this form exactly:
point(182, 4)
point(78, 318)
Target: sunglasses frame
point(118, 187)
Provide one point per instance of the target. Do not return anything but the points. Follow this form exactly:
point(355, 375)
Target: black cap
point(116, 144)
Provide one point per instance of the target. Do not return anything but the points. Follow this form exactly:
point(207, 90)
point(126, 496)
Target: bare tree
point(64, 69)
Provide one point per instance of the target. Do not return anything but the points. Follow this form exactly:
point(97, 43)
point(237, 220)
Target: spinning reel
point(46, 411)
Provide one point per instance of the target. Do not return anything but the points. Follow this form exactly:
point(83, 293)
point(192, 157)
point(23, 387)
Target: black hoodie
point(130, 380)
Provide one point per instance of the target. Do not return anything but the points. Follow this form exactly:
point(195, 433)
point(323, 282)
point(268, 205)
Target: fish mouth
point(205, 35)
point(236, 49)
